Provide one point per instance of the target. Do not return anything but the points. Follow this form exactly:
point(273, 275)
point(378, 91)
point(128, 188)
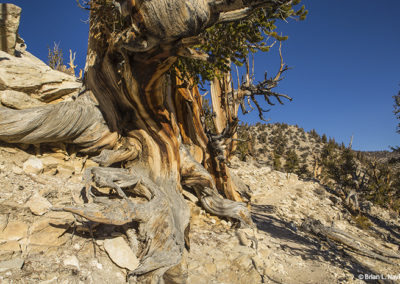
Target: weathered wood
point(195, 175)
point(352, 242)
point(79, 122)
point(133, 112)
point(162, 220)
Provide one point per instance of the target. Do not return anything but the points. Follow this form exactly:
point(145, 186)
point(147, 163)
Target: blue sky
point(345, 60)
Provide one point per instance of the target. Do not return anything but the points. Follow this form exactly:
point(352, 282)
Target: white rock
point(50, 162)
point(120, 253)
point(17, 170)
point(14, 231)
point(33, 166)
point(9, 18)
point(35, 76)
point(38, 204)
point(11, 264)
point(72, 261)
point(3, 221)
point(50, 281)
point(18, 100)
point(97, 264)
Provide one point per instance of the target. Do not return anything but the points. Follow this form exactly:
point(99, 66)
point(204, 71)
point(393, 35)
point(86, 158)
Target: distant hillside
point(375, 176)
point(382, 156)
point(272, 144)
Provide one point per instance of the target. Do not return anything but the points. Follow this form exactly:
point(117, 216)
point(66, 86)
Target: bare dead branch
point(249, 91)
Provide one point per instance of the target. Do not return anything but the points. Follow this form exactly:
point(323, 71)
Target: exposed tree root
point(79, 122)
point(195, 175)
point(162, 218)
point(352, 242)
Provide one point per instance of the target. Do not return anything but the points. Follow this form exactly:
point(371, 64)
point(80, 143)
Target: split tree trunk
point(132, 111)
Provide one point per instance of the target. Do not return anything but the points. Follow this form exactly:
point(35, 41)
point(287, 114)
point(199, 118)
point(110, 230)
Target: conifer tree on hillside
point(292, 161)
point(396, 112)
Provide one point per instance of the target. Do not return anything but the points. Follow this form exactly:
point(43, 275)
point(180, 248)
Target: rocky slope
point(38, 245)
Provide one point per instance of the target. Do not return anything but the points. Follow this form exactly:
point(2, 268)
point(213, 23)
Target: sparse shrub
point(262, 138)
point(320, 191)
point(303, 171)
point(208, 116)
point(304, 155)
point(382, 184)
point(245, 145)
point(55, 57)
point(276, 162)
point(313, 133)
point(262, 150)
point(362, 222)
point(324, 139)
point(292, 161)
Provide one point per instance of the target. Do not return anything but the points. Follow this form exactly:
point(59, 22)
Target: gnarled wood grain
point(132, 111)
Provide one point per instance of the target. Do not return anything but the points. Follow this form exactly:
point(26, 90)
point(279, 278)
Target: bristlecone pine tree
point(140, 115)
point(396, 112)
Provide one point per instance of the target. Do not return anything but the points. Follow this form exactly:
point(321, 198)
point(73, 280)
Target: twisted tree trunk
point(132, 112)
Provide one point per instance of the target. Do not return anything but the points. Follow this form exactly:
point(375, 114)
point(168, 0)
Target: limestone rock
point(65, 169)
point(210, 268)
point(3, 221)
point(38, 204)
point(90, 163)
point(14, 231)
point(10, 246)
point(20, 46)
point(18, 100)
point(72, 261)
point(9, 24)
point(120, 253)
point(52, 92)
point(44, 234)
point(50, 163)
point(30, 75)
point(33, 166)
point(15, 263)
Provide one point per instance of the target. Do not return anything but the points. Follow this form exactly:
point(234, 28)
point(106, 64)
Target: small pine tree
point(324, 138)
point(242, 148)
point(292, 161)
point(276, 162)
point(55, 57)
point(381, 184)
point(396, 112)
point(303, 171)
point(208, 115)
point(347, 168)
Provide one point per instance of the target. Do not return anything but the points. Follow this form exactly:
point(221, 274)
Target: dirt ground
point(38, 245)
